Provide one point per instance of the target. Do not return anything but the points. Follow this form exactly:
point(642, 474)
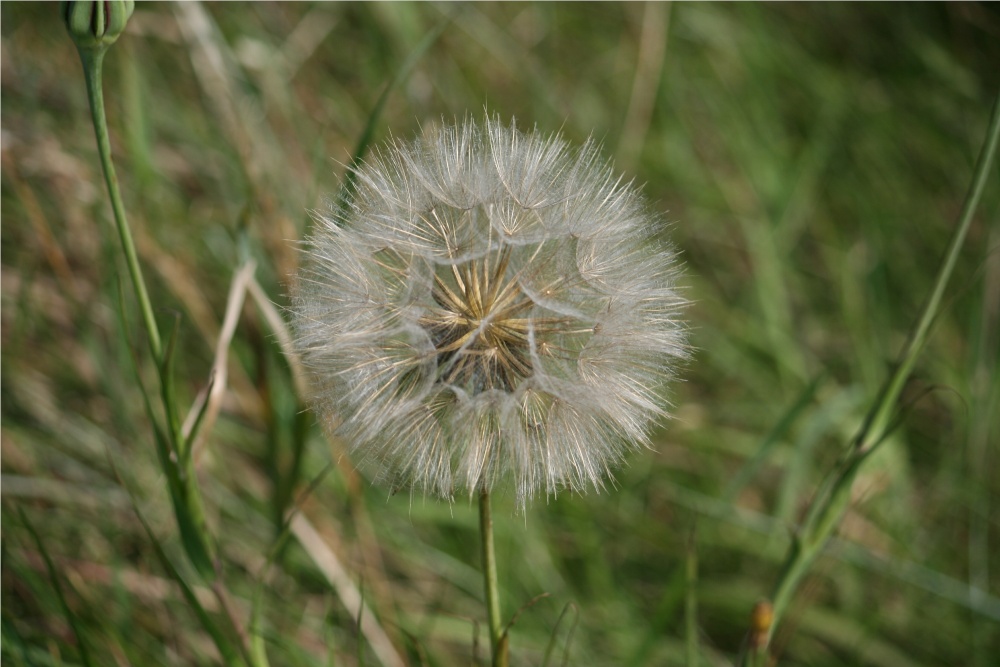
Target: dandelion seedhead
point(489, 305)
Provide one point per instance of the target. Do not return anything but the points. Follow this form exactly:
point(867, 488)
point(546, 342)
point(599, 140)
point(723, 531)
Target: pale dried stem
point(212, 66)
point(179, 279)
point(218, 74)
point(226, 603)
point(331, 567)
point(304, 39)
point(648, 69)
point(50, 248)
point(284, 336)
point(218, 376)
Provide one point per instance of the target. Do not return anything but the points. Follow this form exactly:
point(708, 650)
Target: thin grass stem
point(831, 501)
point(691, 604)
point(50, 568)
point(881, 416)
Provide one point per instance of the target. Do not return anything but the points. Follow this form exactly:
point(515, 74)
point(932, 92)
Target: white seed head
point(489, 306)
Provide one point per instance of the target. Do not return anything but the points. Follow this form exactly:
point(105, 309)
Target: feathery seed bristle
point(491, 305)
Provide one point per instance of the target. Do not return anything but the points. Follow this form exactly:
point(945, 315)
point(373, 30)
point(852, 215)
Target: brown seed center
point(479, 327)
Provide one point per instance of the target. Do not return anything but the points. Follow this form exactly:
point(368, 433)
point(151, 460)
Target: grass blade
point(350, 178)
point(50, 567)
point(878, 420)
point(831, 501)
point(230, 655)
point(550, 648)
point(751, 467)
point(691, 604)
point(184, 495)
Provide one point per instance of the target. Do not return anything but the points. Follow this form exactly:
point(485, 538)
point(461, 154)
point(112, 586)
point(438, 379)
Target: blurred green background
point(813, 159)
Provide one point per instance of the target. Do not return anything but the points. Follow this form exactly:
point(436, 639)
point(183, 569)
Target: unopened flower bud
point(95, 26)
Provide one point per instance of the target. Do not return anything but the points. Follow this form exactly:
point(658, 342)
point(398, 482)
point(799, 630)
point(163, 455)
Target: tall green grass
point(814, 159)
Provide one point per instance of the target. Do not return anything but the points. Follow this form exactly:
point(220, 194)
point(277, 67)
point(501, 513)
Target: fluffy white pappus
point(490, 307)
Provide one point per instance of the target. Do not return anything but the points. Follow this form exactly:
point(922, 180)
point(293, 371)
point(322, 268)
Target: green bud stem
point(171, 448)
point(93, 63)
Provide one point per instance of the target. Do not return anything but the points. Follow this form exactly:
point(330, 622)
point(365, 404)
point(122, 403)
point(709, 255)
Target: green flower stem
point(172, 450)
point(498, 652)
point(93, 63)
point(833, 498)
point(879, 419)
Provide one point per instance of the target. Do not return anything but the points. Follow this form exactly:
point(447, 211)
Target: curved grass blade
point(879, 418)
point(751, 467)
point(350, 178)
point(50, 567)
point(230, 655)
point(257, 648)
point(168, 392)
point(691, 602)
point(831, 501)
point(184, 494)
point(550, 648)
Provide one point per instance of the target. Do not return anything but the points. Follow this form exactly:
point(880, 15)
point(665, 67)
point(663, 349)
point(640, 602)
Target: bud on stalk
point(94, 26)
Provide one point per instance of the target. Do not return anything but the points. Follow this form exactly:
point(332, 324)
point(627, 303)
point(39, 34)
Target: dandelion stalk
point(488, 306)
point(490, 580)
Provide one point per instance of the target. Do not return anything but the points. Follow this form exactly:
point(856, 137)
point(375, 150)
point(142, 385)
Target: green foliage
point(814, 159)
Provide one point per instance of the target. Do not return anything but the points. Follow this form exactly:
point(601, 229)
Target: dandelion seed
point(490, 306)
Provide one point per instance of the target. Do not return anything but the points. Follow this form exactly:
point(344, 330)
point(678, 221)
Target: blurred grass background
point(813, 159)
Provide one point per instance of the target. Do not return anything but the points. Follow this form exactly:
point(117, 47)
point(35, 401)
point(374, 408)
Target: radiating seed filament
point(480, 330)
